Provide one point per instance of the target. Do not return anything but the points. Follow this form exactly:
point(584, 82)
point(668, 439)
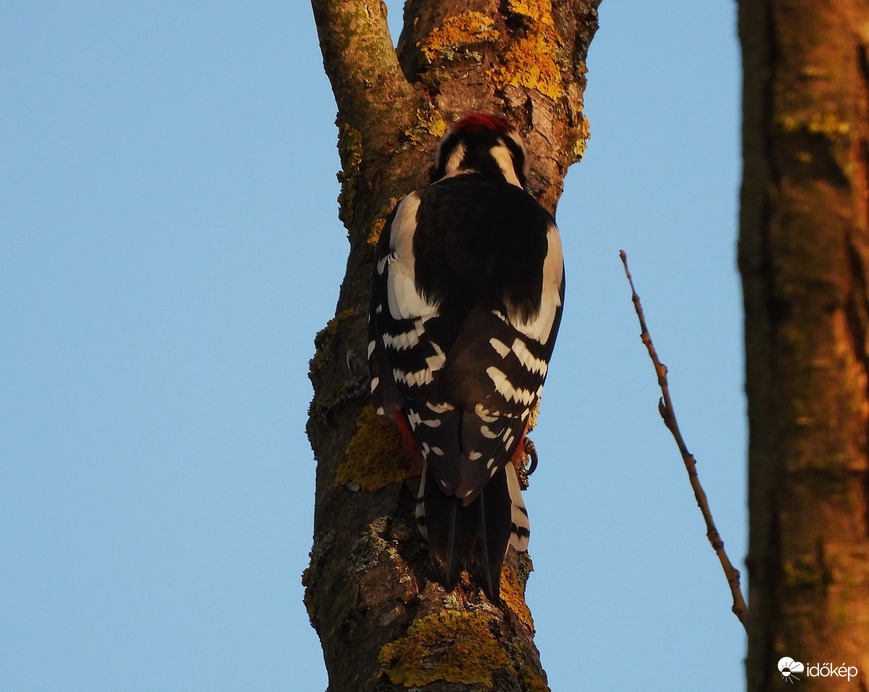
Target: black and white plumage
point(466, 300)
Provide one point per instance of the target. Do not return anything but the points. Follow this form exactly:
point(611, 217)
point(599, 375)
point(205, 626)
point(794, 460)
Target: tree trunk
point(382, 624)
point(804, 260)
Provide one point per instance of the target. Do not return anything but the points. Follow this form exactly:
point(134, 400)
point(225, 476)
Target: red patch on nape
point(474, 122)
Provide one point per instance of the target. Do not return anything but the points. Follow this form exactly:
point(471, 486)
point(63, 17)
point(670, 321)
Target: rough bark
point(804, 260)
point(381, 623)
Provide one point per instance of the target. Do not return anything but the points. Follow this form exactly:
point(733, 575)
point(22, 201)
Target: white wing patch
point(414, 420)
point(540, 327)
point(418, 378)
point(528, 359)
point(485, 431)
point(405, 302)
point(436, 362)
point(507, 390)
point(381, 265)
point(405, 340)
point(485, 414)
point(500, 347)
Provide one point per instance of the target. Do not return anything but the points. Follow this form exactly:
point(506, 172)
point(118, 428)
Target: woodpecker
point(466, 300)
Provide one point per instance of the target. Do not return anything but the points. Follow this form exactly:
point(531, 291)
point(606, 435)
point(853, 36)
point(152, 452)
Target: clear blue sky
point(169, 246)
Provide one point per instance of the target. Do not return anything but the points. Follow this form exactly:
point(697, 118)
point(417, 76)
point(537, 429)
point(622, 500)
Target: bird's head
point(482, 143)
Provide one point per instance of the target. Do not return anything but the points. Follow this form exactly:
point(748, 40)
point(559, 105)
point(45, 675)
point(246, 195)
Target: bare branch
point(360, 61)
point(665, 408)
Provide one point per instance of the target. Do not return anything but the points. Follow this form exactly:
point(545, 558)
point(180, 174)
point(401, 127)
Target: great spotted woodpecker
point(466, 299)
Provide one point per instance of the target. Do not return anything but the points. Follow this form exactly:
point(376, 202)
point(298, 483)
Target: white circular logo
point(788, 668)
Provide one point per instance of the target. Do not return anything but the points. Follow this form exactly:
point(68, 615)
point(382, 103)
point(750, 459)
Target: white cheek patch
point(505, 162)
point(455, 160)
point(526, 163)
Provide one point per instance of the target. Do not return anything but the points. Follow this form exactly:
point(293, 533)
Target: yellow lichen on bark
point(375, 456)
point(584, 135)
point(374, 231)
point(531, 60)
point(513, 597)
point(828, 125)
point(456, 34)
point(429, 123)
point(472, 656)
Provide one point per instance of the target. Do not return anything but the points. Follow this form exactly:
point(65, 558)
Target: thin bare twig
point(665, 408)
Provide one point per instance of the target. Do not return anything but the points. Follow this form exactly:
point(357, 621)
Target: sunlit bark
point(804, 259)
point(382, 624)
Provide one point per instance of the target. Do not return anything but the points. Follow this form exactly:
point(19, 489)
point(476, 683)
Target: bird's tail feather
point(520, 528)
point(472, 537)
